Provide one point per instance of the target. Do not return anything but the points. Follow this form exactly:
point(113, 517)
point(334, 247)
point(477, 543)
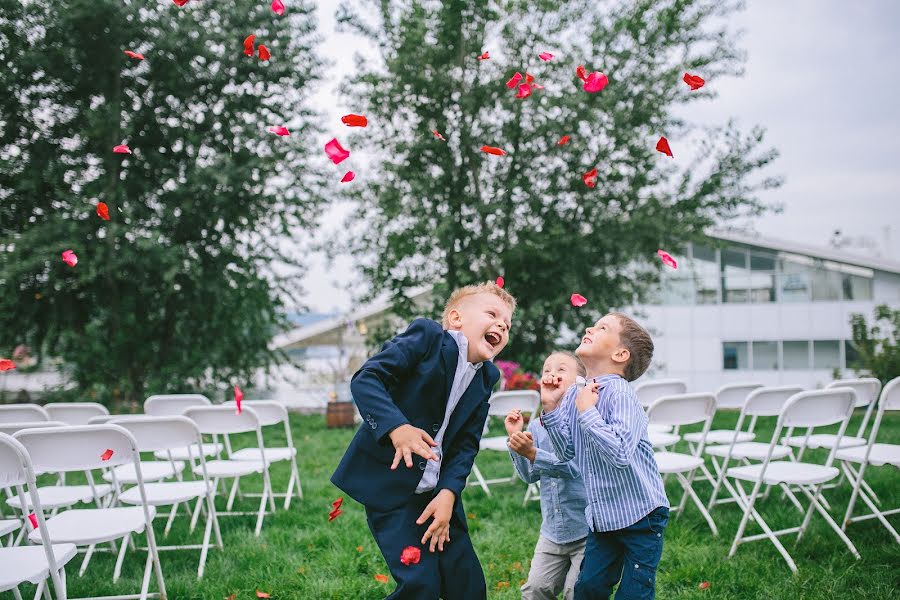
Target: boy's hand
point(514, 421)
point(523, 444)
point(587, 396)
point(409, 440)
point(441, 508)
point(552, 392)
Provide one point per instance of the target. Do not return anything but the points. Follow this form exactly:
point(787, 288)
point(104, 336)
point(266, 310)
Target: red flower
point(521, 381)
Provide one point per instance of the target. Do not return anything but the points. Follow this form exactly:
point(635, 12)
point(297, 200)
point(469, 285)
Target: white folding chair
point(86, 448)
point(166, 405)
point(650, 391)
point(153, 433)
point(224, 420)
point(874, 454)
point(728, 397)
point(500, 405)
point(33, 564)
point(270, 412)
point(684, 409)
point(75, 413)
point(762, 402)
point(814, 409)
point(22, 413)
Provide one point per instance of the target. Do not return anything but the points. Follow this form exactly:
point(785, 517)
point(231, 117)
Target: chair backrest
point(818, 408)
point(682, 409)
point(223, 419)
point(769, 401)
point(889, 400)
point(11, 428)
point(78, 447)
point(734, 395)
point(165, 405)
point(22, 413)
point(269, 412)
point(647, 393)
point(867, 389)
point(160, 433)
point(75, 413)
point(503, 402)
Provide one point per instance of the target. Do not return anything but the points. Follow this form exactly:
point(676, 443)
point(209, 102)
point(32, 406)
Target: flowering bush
point(514, 378)
point(507, 367)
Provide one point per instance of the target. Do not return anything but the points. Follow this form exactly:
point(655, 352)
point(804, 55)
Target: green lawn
point(301, 555)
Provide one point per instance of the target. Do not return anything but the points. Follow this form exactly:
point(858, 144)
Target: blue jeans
point(631, 554)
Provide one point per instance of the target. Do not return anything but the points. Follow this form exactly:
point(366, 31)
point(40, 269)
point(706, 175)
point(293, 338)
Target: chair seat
point(62, 496)
point(217, 469)
point(84, 526)
point(165, 493)
point(151, 470)
point(658, 439)
point(9, 525)
point(719, 436)
point(823, 440)
point(29, 563)
point(182, 452)
point(675, 462)
point(882, 454)
point(272, 454)
point(659, 428)
point(494, 443)
point(749, 450)
point(784, 471)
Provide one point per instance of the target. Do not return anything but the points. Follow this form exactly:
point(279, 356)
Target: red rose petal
point(336, 152)
point(238, 398)
point(514, 80)
point(33, 518)
point(410, 556)
point(581, 72)
point(529, 78)
point(334, 514)
point(595, 82)
point(6, 364)
point(106, 455)
point(484, 56)
point(500, 282)
point(667, 259)
point(524, 91)
point(278, 7)
point(545, 56)
point(348, 177)
point(264, 53)
point(337, 503)
point(590, 178)
point(563, 140)
point(493, 150)
point(694, 81)
point(260, 594)
point(354, 120)
point(381, 578)
point(248, 44)
point(438, 135)
point(69, 258)
point(663, 146)
point(103, 211)
point(136, 55)
point(578, 300)
point(279, 130)
point(359, 548)
point(122, 149)
point(180, 2)
point(704, 585)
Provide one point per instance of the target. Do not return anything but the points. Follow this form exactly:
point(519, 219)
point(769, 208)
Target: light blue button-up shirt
point(613, 452)
point(562, 489)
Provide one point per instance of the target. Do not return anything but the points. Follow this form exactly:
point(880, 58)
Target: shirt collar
point(463, 343)
point(602, 379)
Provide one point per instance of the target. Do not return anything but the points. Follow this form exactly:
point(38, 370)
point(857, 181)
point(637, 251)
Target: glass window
point(765, 356)
point(851, 354)
point(735, 355)
point(826, 354)
point(826, 285)
point(677, 291)
point(795, 355)
point(794, 281)
point(762, 277)
point(735, 276)
point(856, 287)
point(706, 275)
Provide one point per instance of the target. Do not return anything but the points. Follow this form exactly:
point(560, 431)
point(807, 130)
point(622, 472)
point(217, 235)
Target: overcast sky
point(821, 77)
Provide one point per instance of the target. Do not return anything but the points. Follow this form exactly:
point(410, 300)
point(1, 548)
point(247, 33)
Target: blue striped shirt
point(613, 452)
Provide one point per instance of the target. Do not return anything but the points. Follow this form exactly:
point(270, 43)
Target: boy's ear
point(454, 318)
point(621, 355)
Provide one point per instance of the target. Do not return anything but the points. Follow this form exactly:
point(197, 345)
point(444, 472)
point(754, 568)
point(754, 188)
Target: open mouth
point(492, 338)
point(586, 340)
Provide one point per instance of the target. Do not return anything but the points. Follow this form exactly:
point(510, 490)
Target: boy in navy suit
point(424, 402)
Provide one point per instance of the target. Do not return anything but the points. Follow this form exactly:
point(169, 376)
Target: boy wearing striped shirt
point(604, 429)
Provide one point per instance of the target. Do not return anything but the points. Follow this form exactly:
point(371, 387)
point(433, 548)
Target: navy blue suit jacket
point(409, 381)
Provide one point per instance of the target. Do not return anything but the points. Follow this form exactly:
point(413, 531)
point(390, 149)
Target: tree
point(447, 213)
point(877, 347)
point(177, 289)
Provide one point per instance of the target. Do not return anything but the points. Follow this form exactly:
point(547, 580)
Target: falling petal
point(484, 56)
point(590, 178)
point(6, 364)
point(581, 72)
point(493, 150)
point(334, 514)
point(410, 556)
point(136, 55)
point(69, 258)
point(106, 455)
point(33, 518)
point(545, 56)
point(529, 78)
point(524, 91)
point(663, 146)
point(248, 44)
point(438, 135)
point(563, 140)
point(260, 594)
point(337, 503)
point(336, 152)
point(500, 282)
point(103, 211)
point(595, 82)
point(278, 7)
point(238, 398)
point(122, 149)
point(704, 585)
point(514, 80)
point(180, 2)
point(354, 120)
point(578, 300)
point(279, 130)
point(694, 81)
point(667, 259)
point(264, 53)
point(348, 177)
point(381, 578)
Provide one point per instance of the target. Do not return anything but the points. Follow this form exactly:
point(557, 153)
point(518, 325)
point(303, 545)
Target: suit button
point(435, 427)
point(373, 425)
point(421, 466)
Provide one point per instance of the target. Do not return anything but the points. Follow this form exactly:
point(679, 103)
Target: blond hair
point(579, 366)
point(639, 344)
point(459, 294)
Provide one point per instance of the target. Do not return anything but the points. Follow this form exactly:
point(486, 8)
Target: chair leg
point(205, 547)
point(815, 502)
point(689, 491)
point(195, 515)
point(854, 479)
point(234, 490)
point(171, 519)
point(16, 593)
point(87, 559)
point(792, 497)
point(262, 510)
point(121, 558)
point(879, 515)
point(153, 555)
point(750, 511)
point(477, 473)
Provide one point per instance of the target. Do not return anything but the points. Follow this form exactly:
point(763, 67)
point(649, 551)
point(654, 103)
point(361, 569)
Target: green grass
point(301, 555)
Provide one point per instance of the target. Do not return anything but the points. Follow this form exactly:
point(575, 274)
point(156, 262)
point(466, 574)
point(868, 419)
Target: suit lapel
point(450, 360)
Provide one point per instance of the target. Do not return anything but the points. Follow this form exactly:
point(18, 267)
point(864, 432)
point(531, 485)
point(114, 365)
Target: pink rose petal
point(279, 130)
point(667, 259)
point(500, 282)
point(590, 178)
point(34, 522)
point(336, 152)
point(578, 300)
point(238, 398)
point(69, 258)
point(410, 555)
point(545, 56)
point(595, 82)
point(563, 140)
point(278, 7)
point(348, 176)
point(136, 55)
point(106, 455)
point(524, 91)
point(514, 80)
point(485, 56)
point(6, 364)
point(438, 135)
point(122, 149)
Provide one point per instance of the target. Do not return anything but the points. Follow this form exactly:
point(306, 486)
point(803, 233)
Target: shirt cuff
point(544, 460)
point(589, 418)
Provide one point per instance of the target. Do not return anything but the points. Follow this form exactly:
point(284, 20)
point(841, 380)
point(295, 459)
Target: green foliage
point(446, 213)
point(177, 290)
point(878, 346)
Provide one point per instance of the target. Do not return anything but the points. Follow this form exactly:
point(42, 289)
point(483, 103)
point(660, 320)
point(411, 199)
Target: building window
point(795, 355)
point(765, 356)
point(826, 285)
point(826, 354)
point(794, 279)
point(762, 277)
point(851, 355)
point(705, 265)
point(735, 276)
point(856, 287)
point(735, 356)
point(677, 291)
